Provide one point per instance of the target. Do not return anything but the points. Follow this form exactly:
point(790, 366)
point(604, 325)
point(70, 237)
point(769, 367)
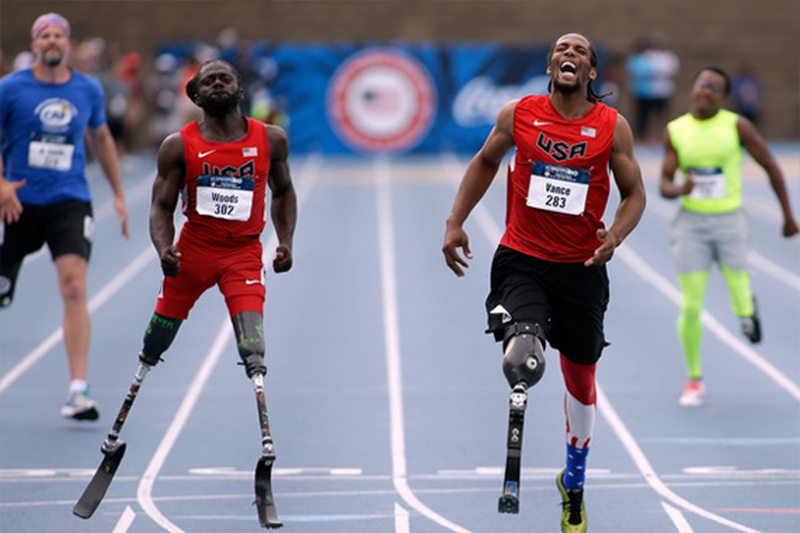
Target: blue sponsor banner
point(346, 98)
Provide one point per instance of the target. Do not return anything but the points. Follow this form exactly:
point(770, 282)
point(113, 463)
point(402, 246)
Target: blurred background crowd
point(146, 97)
point(651, 49)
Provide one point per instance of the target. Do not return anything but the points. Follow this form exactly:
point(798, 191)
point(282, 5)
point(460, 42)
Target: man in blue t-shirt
point(45, 112)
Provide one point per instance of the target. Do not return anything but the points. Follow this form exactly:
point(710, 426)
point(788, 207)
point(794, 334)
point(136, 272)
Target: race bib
point(225, 197)
point(558, 189)
point(53, 152)
point(708, 183)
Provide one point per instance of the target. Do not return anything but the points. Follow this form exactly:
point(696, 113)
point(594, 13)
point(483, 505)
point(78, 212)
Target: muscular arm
point(756, 147)
point(171, 168)
point(628, 177)
point(284, 199)
point(476, 181)
point(103, 147)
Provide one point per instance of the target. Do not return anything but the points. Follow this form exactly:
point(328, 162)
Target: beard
point(54, 58)
point(566, 89)
point(219, 105)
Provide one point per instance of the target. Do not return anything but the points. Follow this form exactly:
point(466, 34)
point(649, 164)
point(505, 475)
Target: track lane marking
point(645, 271)
point(604, 405)
point(125, 520)
point(392, 346)
point(145, 489)
point(99, 300)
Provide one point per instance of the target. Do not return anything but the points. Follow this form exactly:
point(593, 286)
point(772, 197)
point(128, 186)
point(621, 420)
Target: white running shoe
point(80, 407)
point(693, 393)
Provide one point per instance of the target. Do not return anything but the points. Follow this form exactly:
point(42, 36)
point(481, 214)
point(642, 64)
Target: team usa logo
point(560, 151)
point(381, 100)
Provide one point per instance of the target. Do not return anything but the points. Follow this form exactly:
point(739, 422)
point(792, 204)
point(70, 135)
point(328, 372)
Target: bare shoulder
point(623, 135)
point(278, 142)
point(506, 115)
point(171, 148)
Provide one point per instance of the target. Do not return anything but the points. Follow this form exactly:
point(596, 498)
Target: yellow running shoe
point(573, 515)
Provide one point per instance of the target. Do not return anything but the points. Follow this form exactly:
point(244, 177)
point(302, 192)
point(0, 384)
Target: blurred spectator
point(23, 60)
point(163, 87)
point(187, 110)
point(650, 71)
point(125, 100)
point(746, 92)
point(610, 85)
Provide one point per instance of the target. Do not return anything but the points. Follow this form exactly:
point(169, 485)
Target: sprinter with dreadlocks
point(548, 281)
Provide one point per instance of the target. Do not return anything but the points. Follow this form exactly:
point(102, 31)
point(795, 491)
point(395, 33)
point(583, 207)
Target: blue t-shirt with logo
point(43, 127)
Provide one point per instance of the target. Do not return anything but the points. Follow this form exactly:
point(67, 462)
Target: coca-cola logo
point(480, 100)
point(381, 100)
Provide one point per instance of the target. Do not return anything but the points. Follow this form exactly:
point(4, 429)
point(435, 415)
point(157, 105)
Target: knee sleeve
point(249, 329)
point(8, 282)
point(158, 338)
point(523, 361)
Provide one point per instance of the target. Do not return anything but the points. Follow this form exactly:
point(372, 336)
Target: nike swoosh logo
point(540, 123)
point(201, 155)
point(251, 281)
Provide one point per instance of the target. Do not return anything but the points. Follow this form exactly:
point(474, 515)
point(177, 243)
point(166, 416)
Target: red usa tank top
point(558, 182)
point(224, 189)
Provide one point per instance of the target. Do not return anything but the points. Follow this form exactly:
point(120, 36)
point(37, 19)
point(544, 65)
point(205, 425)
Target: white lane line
point(145, 490)
point(309, 173)
point(105, 294)
point(647, 471)
point(665, 210)
point(636, 453)
point(774, 270)
point(401, 521)
point(125, 520)
point(712, 324)
point(392, 347)
point(103, 211)
point(677, 518)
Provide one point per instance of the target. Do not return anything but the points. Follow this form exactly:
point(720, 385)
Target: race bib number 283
point(558, 188)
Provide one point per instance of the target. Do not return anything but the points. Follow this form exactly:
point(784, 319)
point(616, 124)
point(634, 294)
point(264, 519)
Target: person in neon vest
point(711, 226)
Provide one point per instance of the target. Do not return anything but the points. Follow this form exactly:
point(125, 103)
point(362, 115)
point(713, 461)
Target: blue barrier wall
point(401, 98)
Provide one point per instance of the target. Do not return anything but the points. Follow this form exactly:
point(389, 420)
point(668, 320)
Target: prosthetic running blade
point(265, 503)
point(96, 490)
point(509, 500)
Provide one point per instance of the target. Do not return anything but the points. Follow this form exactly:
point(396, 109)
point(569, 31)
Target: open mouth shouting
point(568, 70)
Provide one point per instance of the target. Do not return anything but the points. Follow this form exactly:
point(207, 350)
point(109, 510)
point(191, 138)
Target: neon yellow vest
point(705, 148)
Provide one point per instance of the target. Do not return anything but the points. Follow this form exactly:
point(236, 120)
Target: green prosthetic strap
point(690, 327)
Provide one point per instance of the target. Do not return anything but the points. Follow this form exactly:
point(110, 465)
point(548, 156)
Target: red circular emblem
point(381, 100)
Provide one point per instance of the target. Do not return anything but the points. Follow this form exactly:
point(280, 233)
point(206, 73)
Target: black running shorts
point(568, 300)
point(66, 227)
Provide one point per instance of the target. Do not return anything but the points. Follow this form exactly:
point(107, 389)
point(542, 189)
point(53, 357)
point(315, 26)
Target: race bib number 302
point(557, 188)
point(225, 197)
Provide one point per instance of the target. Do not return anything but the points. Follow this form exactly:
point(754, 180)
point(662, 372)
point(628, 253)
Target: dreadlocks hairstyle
point(191, 85)
point(593, 60)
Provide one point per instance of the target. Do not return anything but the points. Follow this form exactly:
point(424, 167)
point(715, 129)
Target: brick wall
point(764, 34)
